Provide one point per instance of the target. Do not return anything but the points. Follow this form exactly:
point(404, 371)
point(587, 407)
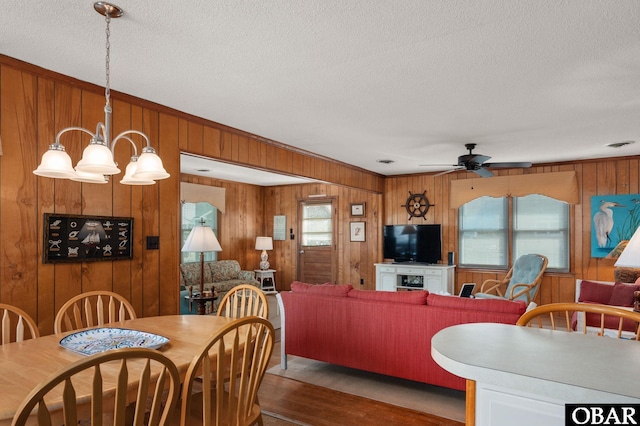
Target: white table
point(530, 373)
point(262, 275)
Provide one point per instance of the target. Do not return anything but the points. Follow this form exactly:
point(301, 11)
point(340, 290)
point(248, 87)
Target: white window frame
point(508, 229)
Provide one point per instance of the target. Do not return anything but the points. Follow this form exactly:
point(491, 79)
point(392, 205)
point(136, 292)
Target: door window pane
point(316, 224)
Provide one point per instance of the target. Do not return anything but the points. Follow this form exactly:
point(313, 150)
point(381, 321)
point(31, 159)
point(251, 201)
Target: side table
point(201, 301)
point(267, 280)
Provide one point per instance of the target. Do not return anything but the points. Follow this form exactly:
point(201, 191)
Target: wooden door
point(316, 245)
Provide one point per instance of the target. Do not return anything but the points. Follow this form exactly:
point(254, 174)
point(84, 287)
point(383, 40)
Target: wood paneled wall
point(36, 103)
point(601, 177)
point(242, 221)
point(355, 259)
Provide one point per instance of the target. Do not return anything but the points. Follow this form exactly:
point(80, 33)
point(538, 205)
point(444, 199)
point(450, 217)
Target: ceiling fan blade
point(438, 165)
point(483, 172)
point(479, 159)
point(448, 171)
point(508, 165)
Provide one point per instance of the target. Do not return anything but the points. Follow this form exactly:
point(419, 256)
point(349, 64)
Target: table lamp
point(627, 267)
point(201, 239)
point(264, 244)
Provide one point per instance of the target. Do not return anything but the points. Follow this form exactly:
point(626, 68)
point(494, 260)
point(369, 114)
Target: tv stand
point(415, 276)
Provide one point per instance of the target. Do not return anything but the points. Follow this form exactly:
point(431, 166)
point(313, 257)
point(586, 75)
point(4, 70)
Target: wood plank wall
point(355, 259)
point(601, 177)
point(36, 103)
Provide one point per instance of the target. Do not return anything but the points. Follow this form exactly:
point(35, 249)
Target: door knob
point(301, 251)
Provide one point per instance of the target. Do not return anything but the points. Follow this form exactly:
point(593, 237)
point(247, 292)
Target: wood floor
point(318, 406)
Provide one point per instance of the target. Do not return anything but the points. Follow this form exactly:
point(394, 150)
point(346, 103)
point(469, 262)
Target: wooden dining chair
point(222, 382)
point(23, 322)
point(92, 308)
point(124, 386)
point(242, 301)
point(603, 320)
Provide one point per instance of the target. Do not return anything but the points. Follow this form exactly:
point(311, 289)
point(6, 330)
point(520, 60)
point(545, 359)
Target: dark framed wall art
point(73, 238)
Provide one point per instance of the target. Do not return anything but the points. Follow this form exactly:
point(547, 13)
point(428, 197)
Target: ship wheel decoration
point(417, 205)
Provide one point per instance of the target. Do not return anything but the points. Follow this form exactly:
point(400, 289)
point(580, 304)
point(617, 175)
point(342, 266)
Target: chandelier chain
point(107, 91)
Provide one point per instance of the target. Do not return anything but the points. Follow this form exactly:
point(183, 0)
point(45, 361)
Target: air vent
point(385, 161)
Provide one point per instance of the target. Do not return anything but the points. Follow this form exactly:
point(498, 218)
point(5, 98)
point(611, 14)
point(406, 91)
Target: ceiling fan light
point(150, 166)
point(130, 179)
point(55, 163)
point(97, 158)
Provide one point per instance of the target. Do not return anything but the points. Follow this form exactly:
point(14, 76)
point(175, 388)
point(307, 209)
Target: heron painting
point(614, 220)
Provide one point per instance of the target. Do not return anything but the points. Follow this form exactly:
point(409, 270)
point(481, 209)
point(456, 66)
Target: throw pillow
point(327, 289)
point(591, 291)
point(414, 297)
point(623, 294)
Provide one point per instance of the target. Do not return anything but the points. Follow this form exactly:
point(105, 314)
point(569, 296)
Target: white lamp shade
point(130, 179)
point(150, 167)
point(86, 177)
point(201, 239)
point(55, 164)
point(97, 158)
point(630, 257)
point(264, 243)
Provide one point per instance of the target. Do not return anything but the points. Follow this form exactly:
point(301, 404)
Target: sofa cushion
point(622, 294)
point(415, 297)
point(491, 305)
point(326, 289)
point(591, 291)
point(224, 270)
point(593, 319)
point(190, 273)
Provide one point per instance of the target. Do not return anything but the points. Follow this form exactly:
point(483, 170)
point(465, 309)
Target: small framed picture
point(357, 209)
point(357, 231)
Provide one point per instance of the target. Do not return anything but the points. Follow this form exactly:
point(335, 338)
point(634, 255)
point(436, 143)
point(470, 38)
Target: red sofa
point(382, 332)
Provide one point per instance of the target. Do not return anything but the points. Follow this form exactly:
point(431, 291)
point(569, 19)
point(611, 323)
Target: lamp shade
point(86, 177)
point(264, 243)
point(97, 158)
point(201, 239)
point(129, 175)
point(55, 163)
point(630, 257)
point(150, 166)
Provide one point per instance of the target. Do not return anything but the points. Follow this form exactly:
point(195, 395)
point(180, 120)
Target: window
point(539, 224)
point(316, 224)
point(484, 232)
point(192, 213)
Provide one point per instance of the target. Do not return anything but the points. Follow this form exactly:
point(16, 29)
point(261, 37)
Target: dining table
point(23, 365)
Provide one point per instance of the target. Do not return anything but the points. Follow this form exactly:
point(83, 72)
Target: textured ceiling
point(362, 80)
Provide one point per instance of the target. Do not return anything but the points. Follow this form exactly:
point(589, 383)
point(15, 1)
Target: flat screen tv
point(413, 243)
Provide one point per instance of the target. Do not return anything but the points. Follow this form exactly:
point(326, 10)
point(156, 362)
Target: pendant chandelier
point(97, 162)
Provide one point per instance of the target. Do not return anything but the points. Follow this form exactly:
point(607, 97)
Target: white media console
point(413, 276)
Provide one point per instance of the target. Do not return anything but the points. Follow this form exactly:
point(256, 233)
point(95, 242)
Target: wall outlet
point(361, 281)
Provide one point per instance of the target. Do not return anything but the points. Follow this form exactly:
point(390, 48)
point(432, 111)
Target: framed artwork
point(73, 238)
point(357, 231)
point(614, 219)
point(357, 209)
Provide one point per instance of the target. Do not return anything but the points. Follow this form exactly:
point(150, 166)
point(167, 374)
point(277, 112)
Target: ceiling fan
point(477, 163)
